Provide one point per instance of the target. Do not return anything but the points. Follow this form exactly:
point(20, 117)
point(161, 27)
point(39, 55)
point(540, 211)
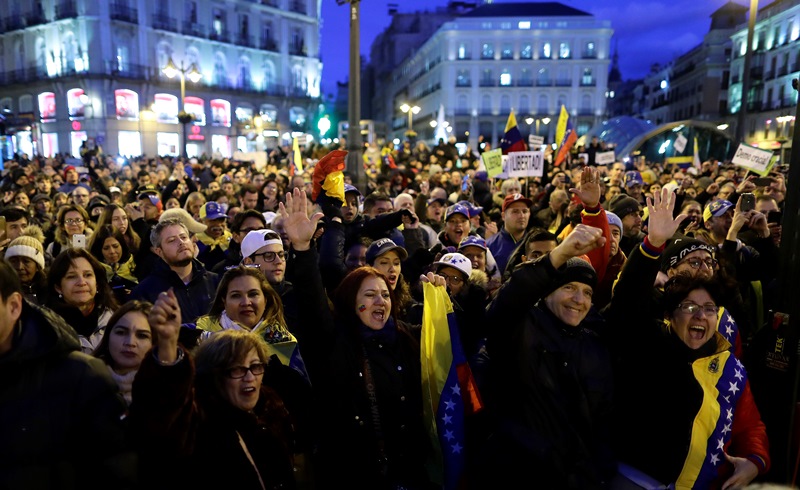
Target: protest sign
point(526, 164)
point(752, 158)
point(493, 162)
point(680, 143)
point(604, 157)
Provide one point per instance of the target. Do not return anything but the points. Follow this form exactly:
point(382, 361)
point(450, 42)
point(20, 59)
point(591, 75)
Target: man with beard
point(629, 211)
point(213, 243)
point(178, 270)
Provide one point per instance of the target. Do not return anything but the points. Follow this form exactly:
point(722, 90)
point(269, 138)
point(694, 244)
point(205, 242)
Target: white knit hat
point(26, 246)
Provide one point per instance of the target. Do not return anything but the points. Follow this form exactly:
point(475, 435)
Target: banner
point(752, 158)
point(526, 164)
point(535, 141)
point(604, 158)
point(493, 162)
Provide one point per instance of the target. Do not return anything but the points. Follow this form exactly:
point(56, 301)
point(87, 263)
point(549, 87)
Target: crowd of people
point(169, 322)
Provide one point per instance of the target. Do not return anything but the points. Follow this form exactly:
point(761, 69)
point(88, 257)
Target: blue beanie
point(613, 219)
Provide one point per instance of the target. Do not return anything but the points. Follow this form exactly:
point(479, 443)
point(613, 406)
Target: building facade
point(75, 70)
point(529, 57)
point(770, 100)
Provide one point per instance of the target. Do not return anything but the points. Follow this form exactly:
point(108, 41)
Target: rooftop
point(526, 9)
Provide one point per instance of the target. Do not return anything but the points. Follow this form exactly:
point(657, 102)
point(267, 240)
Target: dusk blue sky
point(647, 31)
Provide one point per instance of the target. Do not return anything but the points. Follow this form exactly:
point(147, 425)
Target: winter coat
point(549, 391)
point(194, 298)
point(90, 328)
point(672, 416)
point(61, 418)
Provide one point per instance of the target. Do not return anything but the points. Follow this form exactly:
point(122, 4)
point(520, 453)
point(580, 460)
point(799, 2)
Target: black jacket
point(549, 392)
point(60, 412)
point(194, 298)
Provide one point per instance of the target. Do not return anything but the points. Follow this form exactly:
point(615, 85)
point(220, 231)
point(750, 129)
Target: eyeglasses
point(76, 221)
point(239, 372)
point(692, 308)
point(697, 263)
point(271, 256)
point(454, 280)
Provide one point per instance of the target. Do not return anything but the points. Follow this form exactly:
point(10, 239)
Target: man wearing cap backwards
point(548, 387)
point(144, 213)
point(516, 214)
point(213, 243)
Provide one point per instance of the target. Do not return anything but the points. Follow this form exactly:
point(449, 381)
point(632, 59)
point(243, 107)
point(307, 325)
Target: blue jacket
point(194, 298)
point(502, 245)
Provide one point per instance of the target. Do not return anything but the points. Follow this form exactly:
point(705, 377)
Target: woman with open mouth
point(364, 364)
point(210, 405)
point(685, 415)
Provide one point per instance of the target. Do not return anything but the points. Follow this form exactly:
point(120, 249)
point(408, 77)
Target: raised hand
point(582, 240)
point(299, 227)
point(747, 185)
point(165, 320)
point(661, 225)
point(589, 189)
point(434, 279)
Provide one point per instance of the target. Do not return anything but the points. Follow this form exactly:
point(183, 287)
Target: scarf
point(221, 242)
point(124, 383)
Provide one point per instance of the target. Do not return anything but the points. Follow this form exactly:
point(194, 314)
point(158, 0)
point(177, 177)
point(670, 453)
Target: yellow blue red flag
point(567, 142)
point(561, 126)
point(449, 391)
point(512, 139)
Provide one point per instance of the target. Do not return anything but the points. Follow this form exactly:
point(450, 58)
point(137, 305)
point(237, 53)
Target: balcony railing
point(123, 13)
point(563, 83)
point(165, 23)
point(769, 75)
point(14, 23)
point(245, 40)
point(129, 70)
point(756, 72)
point(524, 83)
point(488, 83)
point(36, 19)
point(487, 112)
point(586, 111)
point(66, 10)
point(544, 82)
point(783, 70)
point(269, 44)
point(270, 3)
point(298, 50)
point(221, 36)
point(463, 112)
point(193, 29)
point(463, 83)
point(589, 55)
point(589, 83)
point(298, 6)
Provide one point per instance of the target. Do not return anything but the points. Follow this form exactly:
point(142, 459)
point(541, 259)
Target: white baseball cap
point(257, 239)
point(456, 260)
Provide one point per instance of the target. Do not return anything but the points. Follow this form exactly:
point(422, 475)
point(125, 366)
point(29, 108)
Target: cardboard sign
point(604, 158)
point(493, 162)
point(535, 141)
point(680, 143)
point(752, 158)
point(526, 164)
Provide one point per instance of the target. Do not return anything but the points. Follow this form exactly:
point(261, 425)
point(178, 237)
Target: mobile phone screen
point(78, 241)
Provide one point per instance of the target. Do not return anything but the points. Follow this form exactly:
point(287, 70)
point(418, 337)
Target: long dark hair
point(143, 307)
point(99, 238)
point(104, 298)
point(273, 312)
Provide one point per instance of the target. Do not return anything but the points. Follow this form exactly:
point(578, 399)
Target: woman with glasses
point(126, 340)
point(71, 220)
point(116, 216)
point(685, 415)
point(79, 292)
point(209, 407)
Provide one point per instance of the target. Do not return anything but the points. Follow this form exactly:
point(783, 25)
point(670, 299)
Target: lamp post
point(410, 110)
point(530, 121)
point(194, 75)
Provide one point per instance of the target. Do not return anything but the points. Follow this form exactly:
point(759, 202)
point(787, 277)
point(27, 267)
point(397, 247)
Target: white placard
point(680, 143)
point(504, 174)
point(526, 164)
point(604, 157)
point(535, 141)
point(752, 158)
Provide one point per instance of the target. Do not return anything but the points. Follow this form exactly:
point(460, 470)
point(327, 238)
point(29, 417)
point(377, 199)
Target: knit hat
point(26, 246)
point(574, 270)
point(613, 220)
point(680, 248)
point(622, 205)
point(67, 169)
point(703, 182)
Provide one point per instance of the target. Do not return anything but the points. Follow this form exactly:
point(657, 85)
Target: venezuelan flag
point(296, 161)
point(512, 139)
point(570, 137)
point(561, 126)
point(448, 388)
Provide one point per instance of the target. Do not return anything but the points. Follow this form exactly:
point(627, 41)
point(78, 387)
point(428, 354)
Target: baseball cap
point(633, 177)
point(457, 261)
point(146, 190)
point(40, 197)
point(472, 241)
point(113, 189)
point(440, 200)
point(212, 210)
point(481, 175)
point(456, 209)
point(257, 239)
point(512, 198)
point(473, 209)
point(716, 208)
point(351, 188)
point(382, 246)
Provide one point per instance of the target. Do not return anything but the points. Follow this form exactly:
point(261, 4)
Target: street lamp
point(194, 75)
point(410, 110)
point(530, 120)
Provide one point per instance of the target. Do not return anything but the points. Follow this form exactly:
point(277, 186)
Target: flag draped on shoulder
point(512, 139)
point(448, 387)
point(567, 142)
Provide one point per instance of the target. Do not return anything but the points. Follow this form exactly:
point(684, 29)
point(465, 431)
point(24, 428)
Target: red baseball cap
point(512, 198)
